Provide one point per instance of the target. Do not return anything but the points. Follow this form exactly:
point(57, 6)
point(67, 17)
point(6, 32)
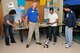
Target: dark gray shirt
point(8, 17)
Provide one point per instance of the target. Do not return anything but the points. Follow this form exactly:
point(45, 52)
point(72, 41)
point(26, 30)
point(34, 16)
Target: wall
point(1, 19)
point(5, 3)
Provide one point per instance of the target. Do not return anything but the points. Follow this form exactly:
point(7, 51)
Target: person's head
point(66, 7)
point(51, 10)
point(12, 12)
point(34, 4)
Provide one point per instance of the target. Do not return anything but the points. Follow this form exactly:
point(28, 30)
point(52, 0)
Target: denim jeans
point(53, 31)
point(68, 35)
point(8, 32)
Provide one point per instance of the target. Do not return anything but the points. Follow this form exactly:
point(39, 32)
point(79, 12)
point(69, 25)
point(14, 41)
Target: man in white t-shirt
point(53, 22)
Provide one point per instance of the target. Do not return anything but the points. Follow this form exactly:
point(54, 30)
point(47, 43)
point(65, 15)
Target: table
point(20, 32)
point(43, 25)
point(26, 28)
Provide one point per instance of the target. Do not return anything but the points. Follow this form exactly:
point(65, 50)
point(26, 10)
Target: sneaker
point(67, 46)
point(38, 43)
point(13, 42)
point(27, 46)
point(54, 43)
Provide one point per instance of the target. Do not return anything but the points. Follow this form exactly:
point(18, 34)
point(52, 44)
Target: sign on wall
point(21, 2)
point(42, 2)
point(11, 5)
point(51, 2)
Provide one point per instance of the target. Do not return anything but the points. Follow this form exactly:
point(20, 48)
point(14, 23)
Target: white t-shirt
point(52, 18)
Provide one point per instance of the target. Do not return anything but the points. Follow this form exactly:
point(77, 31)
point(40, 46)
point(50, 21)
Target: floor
point(21, 47)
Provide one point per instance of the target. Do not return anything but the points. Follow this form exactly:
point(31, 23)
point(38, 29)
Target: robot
point(46, 44)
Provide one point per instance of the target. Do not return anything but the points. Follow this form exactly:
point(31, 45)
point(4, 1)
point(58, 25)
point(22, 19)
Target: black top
point(70, 19)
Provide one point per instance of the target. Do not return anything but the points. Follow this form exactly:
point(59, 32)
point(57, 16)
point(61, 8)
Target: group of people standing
point(32, 17)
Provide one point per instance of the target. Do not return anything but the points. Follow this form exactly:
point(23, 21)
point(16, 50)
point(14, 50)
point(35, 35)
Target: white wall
point(5, 7)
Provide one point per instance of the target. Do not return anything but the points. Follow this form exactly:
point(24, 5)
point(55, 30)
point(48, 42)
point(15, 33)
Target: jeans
point(47, 33)
point(68, 35)
point(53, 31)
point(8, 31)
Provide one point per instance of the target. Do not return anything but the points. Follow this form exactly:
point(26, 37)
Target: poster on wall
point(47, 5)
point(51, 2)
point(19, 12)
point(42, 2)
point(11, 5)
point(21, 2)
point(55, 1)
point(46, 12)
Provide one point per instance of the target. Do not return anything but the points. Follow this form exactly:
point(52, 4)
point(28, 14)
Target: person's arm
point(48, 20)
point(74, 20)
point(8, 22)
point(27, 15)
point(38, 20)
point(55, 21)
point(26, 20)
point(38, 16)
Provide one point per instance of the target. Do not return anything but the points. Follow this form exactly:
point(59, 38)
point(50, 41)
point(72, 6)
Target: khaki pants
point(33, 27)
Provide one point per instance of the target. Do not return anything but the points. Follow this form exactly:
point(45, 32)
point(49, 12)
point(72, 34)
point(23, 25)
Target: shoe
point(58, 35)
point(13, 41)
point(67, 46)
point(54, 43)
point(27, 46)
point(7, 44)
point(38, 43)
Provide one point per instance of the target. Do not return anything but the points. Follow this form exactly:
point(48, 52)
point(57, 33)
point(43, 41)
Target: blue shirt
point(32, 15)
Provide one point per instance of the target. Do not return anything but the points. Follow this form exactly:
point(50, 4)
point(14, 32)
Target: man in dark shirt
point(70, 22)
point(8, 23)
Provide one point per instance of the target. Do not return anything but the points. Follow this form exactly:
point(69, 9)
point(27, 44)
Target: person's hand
point(75, 26)
point(71, 27)
point(27, 25)
point(52, 23)
point(13, 25)
point(48, 23)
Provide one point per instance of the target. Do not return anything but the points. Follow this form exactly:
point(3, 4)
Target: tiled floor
point(21, 48)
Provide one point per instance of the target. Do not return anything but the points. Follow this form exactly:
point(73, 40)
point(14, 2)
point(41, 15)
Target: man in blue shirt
point(32, 17)
point(70, 22)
